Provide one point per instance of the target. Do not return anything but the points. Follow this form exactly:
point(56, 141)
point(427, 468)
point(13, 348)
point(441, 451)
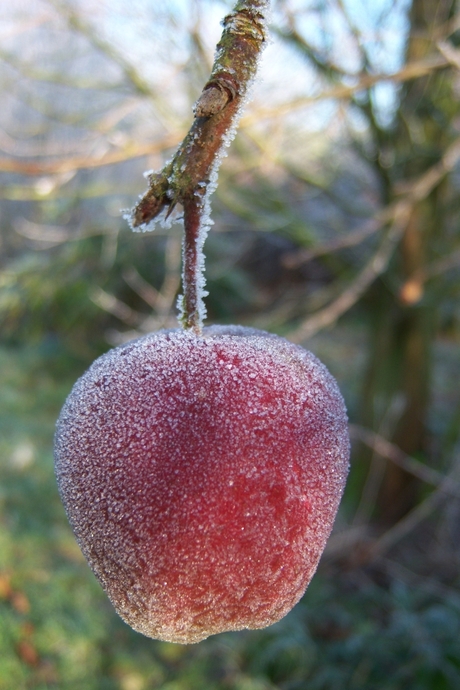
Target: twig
point(162, 300)
point(450, 53)
point(399, 213)
point(375, 267)
point(391, 452)
point(114, 306)
point(378, 463)
point(412, 70)
point(428, 584)
point(69, 164)
point(75, 22)
point(190, 177)
point(351, 239)
point(141, 287)
point(413, 518)
point(358, 541)
point(441, 266)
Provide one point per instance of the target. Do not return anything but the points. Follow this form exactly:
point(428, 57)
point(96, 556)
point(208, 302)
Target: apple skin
point(201, 476)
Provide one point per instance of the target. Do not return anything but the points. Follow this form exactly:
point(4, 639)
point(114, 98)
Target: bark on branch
point(190, 176)
point(215, 111)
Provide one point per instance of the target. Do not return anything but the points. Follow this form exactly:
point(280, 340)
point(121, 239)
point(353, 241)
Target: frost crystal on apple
point(202, 475)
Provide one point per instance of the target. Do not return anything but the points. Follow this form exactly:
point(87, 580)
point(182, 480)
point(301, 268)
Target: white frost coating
point(162, 220)
point(127, 215)
point(201, 476)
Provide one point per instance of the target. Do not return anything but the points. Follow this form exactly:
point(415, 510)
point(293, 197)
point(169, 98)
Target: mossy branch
point(186, 179)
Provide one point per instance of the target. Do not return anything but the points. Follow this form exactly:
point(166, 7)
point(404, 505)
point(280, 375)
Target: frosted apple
point(201, 476)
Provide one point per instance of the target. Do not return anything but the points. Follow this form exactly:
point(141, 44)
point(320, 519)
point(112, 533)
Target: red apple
point(201, 476)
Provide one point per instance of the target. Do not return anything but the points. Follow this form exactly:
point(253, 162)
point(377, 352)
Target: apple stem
point(191, 305)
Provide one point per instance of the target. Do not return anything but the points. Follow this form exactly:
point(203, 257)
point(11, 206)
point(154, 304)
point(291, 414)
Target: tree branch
point(397, 215)
point(215, 111)
point(412, 70)
point(75, 22)
point(391, 452)
point(190, 177)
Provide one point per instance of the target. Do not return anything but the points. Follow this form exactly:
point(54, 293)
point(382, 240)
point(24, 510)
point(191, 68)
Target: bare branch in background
point(410, 521)
point(451, 54)
point(68, 164)
point(375, 267)
point(135, 150)
point(351, 239)
point(163, 300)
point(410, 71)
point(391, 452)
point(400, 214)
point(112, 305)
point(78, 24)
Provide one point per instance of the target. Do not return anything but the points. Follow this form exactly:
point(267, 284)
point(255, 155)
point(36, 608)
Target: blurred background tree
point(336, 224)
